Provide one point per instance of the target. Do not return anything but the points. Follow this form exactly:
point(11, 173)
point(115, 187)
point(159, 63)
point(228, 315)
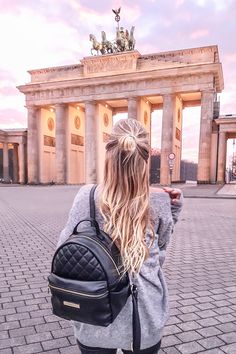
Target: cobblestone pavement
point(200, 270)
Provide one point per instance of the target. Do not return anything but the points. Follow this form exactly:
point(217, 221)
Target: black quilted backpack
point(87, 281)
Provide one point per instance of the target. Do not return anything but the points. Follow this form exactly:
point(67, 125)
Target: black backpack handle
point(93, 223)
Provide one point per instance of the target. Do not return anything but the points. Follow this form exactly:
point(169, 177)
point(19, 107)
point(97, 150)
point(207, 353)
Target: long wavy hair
point(124, 201)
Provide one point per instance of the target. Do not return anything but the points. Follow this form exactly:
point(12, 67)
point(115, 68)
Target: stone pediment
point(109, 64)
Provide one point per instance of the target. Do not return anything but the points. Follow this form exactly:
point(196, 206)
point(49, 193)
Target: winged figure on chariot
point(124, 40)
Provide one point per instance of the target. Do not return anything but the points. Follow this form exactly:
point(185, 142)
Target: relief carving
point(77, 140)
point(49, 141)
point(102, 64)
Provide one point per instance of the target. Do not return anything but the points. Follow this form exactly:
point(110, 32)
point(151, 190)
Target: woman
point(140, 222)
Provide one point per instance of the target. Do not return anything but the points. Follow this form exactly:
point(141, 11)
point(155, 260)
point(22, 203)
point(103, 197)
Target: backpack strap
point(135, 320)
point(92, 202)
point(91, 217)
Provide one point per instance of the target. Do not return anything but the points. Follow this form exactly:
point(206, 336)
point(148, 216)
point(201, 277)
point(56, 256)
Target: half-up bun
point(128, 143)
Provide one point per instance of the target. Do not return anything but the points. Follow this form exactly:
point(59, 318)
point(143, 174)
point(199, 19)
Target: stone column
point(21, 159)
point(90, 143)
point(33, 145)
point(133, 107)
point(204, 155)
point(15, 164)
point(169, 106)
point(214, 142)
point(61, 116)
point(221, 158)
point(6, 176)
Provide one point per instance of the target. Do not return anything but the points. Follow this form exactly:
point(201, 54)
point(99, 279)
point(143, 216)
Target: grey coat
point(152, 289)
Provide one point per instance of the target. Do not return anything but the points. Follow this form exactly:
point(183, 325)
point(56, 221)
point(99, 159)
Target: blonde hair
point(124, 201)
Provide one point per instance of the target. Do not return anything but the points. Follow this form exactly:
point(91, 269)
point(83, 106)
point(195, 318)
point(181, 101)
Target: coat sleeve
point(169, 214)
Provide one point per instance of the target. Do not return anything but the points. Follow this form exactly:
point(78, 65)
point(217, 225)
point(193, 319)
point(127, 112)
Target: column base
point(204, 182)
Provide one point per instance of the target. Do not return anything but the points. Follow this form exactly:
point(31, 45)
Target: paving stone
point(4, 335)
point(74, 350)
point(171, 329)
point(38, 337)
point(188, 326)
point(189, 348)
point(189, 309)
point(205, 306)
point(31, 321)
point(28, 349)
point(225, 318)
point(229, 349)
point(206, 322)
point(204, 299)
point(227, 327)
point(6, 351)
point(209, 331)
point(68, 332)
point(19, 332)
point(171, 350)
point(11, 342)
point(8, 311)
point(17, 316)
point(173, 320)
point(189, 317)
point(203, 293)
point(9, 325)
point(218, 291)
point(213, 351)
point(221, 303)
point(229, 337)
point(14, 304)
point(188, 302)
point(168, 341)
point(188, 295)
point(55, 343)
point(211, 342)
point(224, 310)
point(188, 336)
point(206, 313)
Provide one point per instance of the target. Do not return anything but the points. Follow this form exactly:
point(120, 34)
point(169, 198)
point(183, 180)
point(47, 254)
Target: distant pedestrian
point(140, 220)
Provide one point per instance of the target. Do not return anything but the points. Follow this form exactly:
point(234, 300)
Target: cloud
point(8, 91)
point(12, 118)
point(199, 33)
point(6, 75)
point(49, 33)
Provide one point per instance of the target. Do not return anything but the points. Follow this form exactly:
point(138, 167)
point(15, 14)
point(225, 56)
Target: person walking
point(140, 220)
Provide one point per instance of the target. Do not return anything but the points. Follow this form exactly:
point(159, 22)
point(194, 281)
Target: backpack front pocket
point(82, 301)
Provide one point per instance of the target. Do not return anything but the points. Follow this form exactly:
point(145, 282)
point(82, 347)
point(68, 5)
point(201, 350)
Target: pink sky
point(49, 33)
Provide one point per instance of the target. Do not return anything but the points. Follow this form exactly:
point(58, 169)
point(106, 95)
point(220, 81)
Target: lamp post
point(171, 159)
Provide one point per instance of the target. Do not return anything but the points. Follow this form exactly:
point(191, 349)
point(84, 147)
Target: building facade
point(70, 110)
point(13, 155)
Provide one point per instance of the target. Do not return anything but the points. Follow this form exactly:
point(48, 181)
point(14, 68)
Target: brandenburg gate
point(70, 110)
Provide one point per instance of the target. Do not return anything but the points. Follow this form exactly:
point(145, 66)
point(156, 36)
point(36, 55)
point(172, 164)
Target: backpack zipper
point(104, 250)
point(76, 292)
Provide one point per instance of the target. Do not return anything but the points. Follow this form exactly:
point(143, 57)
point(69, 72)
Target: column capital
point(90, 102)
point(60, 105)
point(32, 107)
point(133, 98)
point(170, 94)
point(210, 90)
